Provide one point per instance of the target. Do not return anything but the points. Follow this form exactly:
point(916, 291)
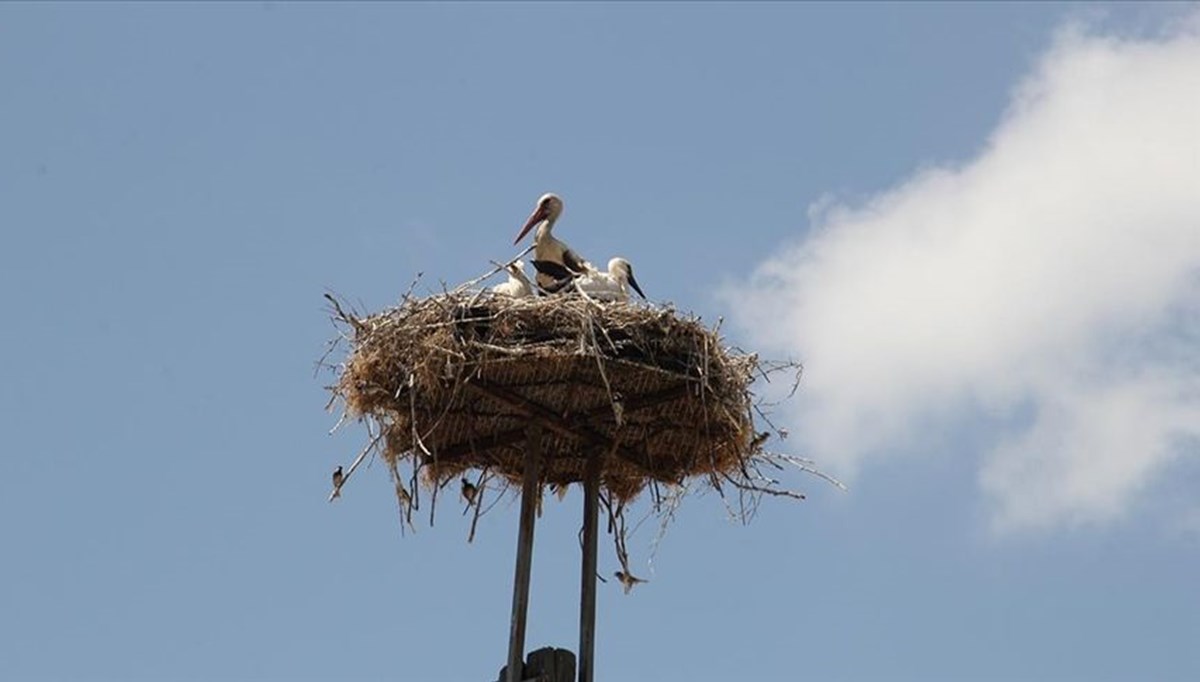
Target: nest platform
point(454, 381)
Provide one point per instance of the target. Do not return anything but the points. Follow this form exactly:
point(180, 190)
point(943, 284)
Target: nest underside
point(460, 381)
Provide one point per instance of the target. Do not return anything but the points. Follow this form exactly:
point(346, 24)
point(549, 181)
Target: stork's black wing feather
point(574, 262)
point(551, 269)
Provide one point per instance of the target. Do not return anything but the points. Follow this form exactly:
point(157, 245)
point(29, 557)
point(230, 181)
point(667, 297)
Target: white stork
point(551, 258)
point(612, 285)
point(518, 285)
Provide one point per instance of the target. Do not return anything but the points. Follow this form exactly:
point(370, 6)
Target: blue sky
point(179, 184)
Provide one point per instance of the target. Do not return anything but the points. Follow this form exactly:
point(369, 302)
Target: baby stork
point(612, 285)
point(518, 285)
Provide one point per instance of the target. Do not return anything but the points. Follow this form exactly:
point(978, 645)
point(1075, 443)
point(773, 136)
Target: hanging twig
point(350, 472)
point(478, 504)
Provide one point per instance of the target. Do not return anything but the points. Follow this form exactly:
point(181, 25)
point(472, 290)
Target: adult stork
point(518, 285)
point(551, 257)
point(613, 285)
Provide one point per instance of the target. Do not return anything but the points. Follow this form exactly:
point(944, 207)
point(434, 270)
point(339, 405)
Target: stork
point(518, 284)
point(551, 256)
point(612, 285)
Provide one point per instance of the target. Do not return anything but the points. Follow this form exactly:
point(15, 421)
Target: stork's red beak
point(539, 214)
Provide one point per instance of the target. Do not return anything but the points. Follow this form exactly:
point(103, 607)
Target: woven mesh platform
point(455, 380)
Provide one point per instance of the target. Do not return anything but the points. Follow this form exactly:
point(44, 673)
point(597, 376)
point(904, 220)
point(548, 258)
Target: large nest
point(457, 380)
point(453, 383)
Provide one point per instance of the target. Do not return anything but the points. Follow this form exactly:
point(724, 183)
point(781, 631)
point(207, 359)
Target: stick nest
point(454, 383)
point(455, 380)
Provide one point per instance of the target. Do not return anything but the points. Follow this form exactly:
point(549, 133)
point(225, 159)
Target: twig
point(477, 280)
point(341, 420)
point(412, 285)
point(412, 401)
point(480, 487)
point(330, 346)
point(807, 467)
point(357, 460)
point(350, 319)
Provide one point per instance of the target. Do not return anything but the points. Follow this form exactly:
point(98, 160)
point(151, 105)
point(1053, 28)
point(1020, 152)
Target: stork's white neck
point(519, 276)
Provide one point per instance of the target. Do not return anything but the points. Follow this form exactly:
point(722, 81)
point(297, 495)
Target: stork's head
point(623, 272)
point(517, 269)
point(548, 208)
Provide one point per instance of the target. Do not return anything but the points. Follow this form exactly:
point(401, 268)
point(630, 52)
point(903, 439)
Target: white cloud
point(1051, 284)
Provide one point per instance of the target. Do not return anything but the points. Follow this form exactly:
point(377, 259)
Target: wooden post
point(550, 665)
point(587, 607)
point(520, 604)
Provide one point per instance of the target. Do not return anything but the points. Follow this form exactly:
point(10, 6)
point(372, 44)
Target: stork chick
point(518, 284)
point(613, 285)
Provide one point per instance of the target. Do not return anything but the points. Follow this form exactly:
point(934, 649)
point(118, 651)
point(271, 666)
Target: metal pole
point(587, 608)
point(520, 604)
